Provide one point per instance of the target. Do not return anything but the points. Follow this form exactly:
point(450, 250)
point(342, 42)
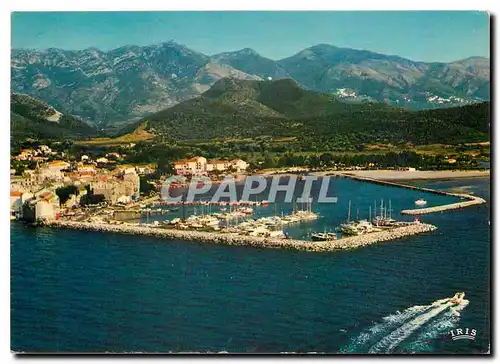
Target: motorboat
point(364, 226)
point(457, 298)
point(175, 221)
point(420, 202)
point(349, 228)
point(323, 236)
point(246, 210)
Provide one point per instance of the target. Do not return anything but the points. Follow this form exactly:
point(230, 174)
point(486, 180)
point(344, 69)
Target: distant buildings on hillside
point(200, 166)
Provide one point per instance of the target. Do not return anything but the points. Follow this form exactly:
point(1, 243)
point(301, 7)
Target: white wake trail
point(388, 323)
point(437, 328)
point(391, 341)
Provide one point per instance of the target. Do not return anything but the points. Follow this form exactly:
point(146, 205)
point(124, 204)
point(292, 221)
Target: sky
point(417, 35)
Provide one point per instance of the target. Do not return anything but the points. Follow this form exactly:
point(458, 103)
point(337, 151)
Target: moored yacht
point(323, 236)
point(420, 202)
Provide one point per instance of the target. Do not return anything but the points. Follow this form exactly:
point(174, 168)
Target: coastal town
point(99, 192)
point(61, 187)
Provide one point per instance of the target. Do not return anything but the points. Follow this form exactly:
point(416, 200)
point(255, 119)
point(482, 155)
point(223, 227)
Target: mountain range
point(128, 83)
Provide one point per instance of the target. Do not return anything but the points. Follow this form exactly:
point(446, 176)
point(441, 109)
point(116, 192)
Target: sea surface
point(74, 291)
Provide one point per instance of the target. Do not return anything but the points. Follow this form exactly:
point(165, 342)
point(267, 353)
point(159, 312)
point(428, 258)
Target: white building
point(239, 165)
point(44, 149)
point(44, 205)
point(102, 160)
point(16, 204)
point(195, 165)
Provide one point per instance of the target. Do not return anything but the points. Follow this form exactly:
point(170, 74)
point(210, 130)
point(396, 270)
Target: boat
point(349, 227)
point(457, 298)
point(385, 217)
point(246, 210)
point(420, 202)
point(364, 226)
point(175, 221)
point(323, 236)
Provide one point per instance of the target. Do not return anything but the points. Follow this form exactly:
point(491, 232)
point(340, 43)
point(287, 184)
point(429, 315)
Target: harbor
point(261, 224)
point(235, 239)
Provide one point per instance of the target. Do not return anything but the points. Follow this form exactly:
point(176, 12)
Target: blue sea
point(74, 291)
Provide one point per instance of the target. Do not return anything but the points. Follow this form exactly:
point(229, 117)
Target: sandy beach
point(391, 175)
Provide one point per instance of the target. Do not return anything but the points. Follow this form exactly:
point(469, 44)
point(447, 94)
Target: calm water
point(89, 292)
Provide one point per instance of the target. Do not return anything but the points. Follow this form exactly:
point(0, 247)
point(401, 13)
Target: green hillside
point(237, 109)
point(33, 118)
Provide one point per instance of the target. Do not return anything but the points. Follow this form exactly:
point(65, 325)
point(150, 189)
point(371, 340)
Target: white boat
point(176, 221)
point(349, 228)
point(457, 298)
point(246, 210)
point(323, 236)
point(364, 226)
point(420, 202)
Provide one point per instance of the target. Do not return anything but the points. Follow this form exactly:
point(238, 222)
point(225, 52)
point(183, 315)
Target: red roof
point(16, 193)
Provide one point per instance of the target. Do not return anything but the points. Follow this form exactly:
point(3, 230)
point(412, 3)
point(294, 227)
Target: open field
point(138, 135)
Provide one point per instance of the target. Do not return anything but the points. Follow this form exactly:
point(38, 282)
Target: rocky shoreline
point(244, 240)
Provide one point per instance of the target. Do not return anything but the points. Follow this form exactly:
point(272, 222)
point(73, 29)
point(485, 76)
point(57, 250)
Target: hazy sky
point(423, 36)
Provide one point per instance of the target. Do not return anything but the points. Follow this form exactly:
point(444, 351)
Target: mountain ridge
point(129, 82)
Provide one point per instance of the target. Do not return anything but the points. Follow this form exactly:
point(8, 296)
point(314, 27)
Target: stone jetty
point(471, 200)
point(244, 240)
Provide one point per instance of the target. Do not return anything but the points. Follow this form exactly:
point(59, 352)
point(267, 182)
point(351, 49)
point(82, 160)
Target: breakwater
point(471, 200)
point(244, 240)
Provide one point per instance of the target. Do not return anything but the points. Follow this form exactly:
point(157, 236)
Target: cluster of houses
point(40, 154)
point(32, 206)
point(200, 166)
point(121, 187)
point(33, 196)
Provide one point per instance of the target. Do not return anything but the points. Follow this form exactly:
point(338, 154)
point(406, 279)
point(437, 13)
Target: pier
point(471, 200)
point(234, 239)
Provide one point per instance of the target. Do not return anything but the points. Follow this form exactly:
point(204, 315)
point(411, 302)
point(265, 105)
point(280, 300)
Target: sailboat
point(385, 217)
point(349, 227)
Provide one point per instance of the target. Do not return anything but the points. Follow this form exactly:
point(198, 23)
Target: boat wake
point(426, 322)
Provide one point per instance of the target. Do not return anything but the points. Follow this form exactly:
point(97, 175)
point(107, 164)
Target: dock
point(471, 200)
point(234, 239)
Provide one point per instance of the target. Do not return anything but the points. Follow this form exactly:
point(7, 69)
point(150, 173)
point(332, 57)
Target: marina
point(246, 222)
point(236, 239)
